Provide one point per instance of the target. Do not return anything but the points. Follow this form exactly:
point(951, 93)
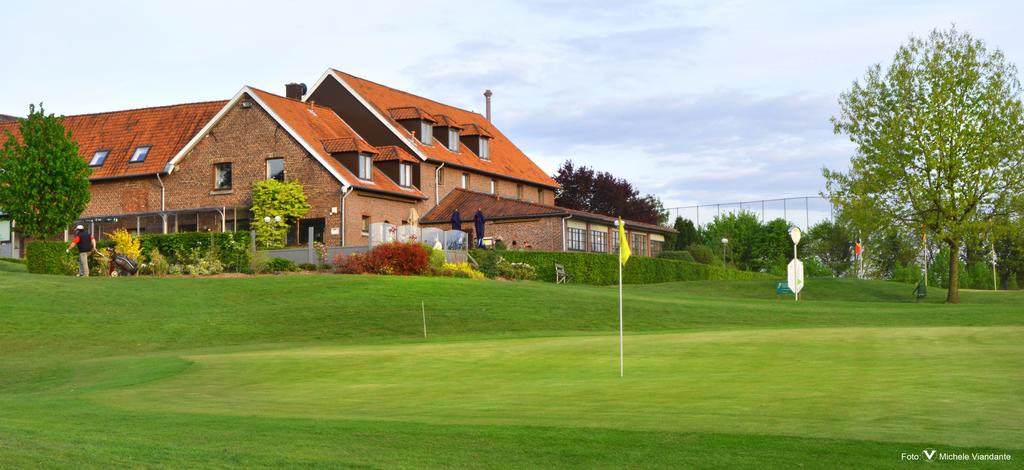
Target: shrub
point(602, 269)
point(436, 259)
point(397, 258)
point(158, 264)
point(321, 253)
point(701, 254)
point(278, 265)
point(349, 264)
point(202, 263)
point(677, 255)
point(487, 262)
point(232, 248)
point(308, 266)
point(516, 271)
point(126, 244)
point(462, 270)
point(47, 257)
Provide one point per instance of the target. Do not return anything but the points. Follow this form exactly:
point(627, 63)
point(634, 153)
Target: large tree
point(600, 192)
point(44, 184)
point(939, 140)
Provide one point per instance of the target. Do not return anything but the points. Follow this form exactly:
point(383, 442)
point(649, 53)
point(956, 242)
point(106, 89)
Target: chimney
point(487, 97)
point(295, 91)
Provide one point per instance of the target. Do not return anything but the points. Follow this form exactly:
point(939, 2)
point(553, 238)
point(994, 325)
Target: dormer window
point(426, 132)
point(140, 154)
point(99, 157)
point(405, 175)
point(365, 167)
point(453, 139)
point(485, 148)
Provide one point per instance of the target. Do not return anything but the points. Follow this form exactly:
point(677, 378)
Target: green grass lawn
point(333, 371)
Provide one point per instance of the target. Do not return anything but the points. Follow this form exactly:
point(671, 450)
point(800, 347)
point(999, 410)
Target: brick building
point(364, 153)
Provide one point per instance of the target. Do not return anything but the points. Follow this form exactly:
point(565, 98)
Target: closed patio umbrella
point(456, 220)
point(414, 217)
point(478, 224)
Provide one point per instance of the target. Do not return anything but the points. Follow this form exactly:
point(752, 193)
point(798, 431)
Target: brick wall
point(247, 138)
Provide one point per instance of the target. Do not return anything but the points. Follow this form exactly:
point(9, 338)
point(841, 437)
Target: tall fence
point(803, 212)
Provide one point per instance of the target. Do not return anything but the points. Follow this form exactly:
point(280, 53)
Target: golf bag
point(119, 263)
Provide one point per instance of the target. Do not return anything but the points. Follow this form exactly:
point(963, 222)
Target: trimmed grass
point(328, 371)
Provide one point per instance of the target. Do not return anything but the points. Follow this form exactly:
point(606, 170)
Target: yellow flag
point(624, 251)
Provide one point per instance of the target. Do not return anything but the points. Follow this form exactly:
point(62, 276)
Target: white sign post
point(795, 270)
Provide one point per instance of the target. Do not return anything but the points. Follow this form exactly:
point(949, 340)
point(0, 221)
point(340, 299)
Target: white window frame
point(405, 175)
point(599, 241)
point(494, 186)
point(453, 139)
point(426, 132)
point(576, 239)
point(465, 180)
point(485, 148)
point(141, 152)
point(99, 158)
point(365, 167)
point(216, 176)
point(282, 167)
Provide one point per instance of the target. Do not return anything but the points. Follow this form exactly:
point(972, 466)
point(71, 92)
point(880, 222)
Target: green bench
point(921, 291)
point(782, 288)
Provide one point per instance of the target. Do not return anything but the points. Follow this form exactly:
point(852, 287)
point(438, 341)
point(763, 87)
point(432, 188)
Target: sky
point(695, 102)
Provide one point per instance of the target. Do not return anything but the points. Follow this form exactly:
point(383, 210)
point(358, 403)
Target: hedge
point(51, 257)
point(232, 247)
point(677, 255)
point(12, 260)
point(46, 257)
point(602, 269)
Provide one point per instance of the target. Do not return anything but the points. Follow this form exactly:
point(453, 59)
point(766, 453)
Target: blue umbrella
point(478, 222)
point(456, 220)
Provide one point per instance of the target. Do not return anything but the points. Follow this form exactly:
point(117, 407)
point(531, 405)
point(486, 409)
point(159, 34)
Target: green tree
point(687, 234)
point(831, 242)
point(939, 140)
point(272, 198)
point(44, 184)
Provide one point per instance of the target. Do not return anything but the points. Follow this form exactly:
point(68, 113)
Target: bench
point(921, 291)
point(782, 288)
point(560, 274)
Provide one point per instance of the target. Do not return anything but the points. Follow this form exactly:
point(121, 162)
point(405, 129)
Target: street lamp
point(267, 220)
point(725, 250)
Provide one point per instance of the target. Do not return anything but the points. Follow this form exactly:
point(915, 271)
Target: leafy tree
point(272, 198)
point(940, 140)
point(742, 229)
point(831, 242)
point(687, 234)
point(44, 184)
point(601, 192)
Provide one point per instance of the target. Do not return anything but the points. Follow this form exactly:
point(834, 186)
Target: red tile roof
point(391, 152)
point(347, 144)
point(410, 112)
point(497, 207)
point(505, 158)
point(316, 124)
point(444, 121)
point(473, 129)
point(165, 128)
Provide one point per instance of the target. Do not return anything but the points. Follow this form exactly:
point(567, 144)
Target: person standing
point(86, 244)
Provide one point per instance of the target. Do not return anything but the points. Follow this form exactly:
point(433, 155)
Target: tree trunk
point(953, 294)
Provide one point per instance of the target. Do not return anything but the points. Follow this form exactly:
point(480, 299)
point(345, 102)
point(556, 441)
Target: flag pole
point(621, 362)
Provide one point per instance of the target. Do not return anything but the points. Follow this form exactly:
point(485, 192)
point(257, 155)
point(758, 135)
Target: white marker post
point(423, 308)
point(795, 270)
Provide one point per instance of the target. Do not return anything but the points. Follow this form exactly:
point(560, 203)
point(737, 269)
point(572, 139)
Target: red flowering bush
point(390, 258)
point(349, 264)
